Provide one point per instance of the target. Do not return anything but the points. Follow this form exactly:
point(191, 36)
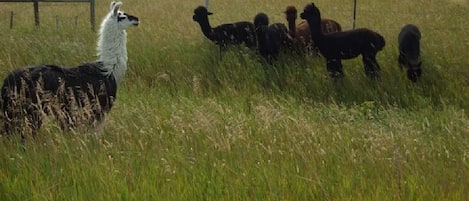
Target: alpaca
point(409, 51)
point(271, 39)
point(301, 33)
point(225, 34)
point(344, 45)
point(30, 92)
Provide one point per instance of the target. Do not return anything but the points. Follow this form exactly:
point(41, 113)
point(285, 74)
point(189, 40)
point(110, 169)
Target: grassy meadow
point(189, 126)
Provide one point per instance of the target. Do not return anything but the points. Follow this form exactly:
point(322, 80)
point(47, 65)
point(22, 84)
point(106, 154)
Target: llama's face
point(123, 19)
point(200, 14)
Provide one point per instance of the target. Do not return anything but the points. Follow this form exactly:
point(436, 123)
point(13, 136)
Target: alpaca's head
point(291, 13)
point(119, 18)
point(414, 73)
point(201, 13)
point(311, 13)
point(261, 19)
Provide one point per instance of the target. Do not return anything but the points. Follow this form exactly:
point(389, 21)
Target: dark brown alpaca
point(301, 32)
point(272, 39)
point(409, 51)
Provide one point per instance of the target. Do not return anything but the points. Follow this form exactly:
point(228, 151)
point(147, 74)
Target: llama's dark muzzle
point(135, 21)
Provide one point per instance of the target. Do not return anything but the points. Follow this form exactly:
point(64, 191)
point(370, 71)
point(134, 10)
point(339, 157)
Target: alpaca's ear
point(115, 6)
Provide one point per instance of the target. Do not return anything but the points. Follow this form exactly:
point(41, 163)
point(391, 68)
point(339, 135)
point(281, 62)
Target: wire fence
point(92, 14)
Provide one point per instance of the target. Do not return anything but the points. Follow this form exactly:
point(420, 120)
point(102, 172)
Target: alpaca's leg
point(220, 49)
point(401, 61)
point(334, 67)
point(250, 42)
point(372, 68)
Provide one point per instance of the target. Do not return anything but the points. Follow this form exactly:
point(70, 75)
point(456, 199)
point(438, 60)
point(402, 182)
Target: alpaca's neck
point(206, 28)
point(112, 50)
point(262, 38)
point(292, 27)
point(316, 32)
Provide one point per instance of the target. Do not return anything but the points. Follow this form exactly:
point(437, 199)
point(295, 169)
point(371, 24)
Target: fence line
point(36, 8)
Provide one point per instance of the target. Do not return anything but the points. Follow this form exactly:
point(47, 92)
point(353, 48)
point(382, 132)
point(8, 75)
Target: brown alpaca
point(301, 33)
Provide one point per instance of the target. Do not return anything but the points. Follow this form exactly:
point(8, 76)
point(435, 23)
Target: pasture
point(189, 126)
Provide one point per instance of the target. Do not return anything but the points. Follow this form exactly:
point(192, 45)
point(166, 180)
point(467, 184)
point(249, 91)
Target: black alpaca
point(344, 45)
point(224, 34)
point(409, 51)
point(271, 39)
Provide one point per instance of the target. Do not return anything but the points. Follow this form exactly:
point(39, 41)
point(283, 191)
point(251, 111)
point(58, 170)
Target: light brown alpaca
point(301, 33)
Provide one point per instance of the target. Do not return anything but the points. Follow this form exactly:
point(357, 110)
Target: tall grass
point(188, 126)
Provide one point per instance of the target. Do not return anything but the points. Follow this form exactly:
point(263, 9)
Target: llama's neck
point(112, 50)
point(206, 28)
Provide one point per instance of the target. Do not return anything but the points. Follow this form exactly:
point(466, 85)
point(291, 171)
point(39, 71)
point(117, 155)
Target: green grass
point(188, 126)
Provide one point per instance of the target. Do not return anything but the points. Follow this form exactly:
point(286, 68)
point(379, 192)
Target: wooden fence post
point(36, 12)
point(92, 15)
point(354, 12)
point(12, 14)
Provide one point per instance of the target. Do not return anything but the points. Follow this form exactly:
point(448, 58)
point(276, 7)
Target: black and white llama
point(29, 93)
point(344, 45)
point(225, 34)
point(409, 51)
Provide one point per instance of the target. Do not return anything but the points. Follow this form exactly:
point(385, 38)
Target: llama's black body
point(225, 34)
point(409, 51)
point(78, 96)
point(271, 39)
point(49, 88)
point(344, 45)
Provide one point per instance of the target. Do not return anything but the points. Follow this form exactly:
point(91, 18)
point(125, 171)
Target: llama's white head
point(121, 19)
point(112, 50)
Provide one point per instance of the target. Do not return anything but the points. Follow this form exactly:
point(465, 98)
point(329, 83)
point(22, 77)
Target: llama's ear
point(112, 5)
point(115, 6)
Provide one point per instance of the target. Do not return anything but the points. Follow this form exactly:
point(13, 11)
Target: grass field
point(188, 126)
